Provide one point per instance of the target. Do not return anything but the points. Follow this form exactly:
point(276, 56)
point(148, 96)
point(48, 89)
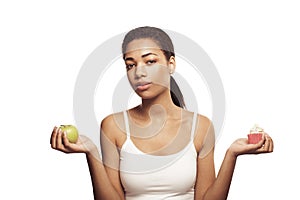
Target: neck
point(162, 103)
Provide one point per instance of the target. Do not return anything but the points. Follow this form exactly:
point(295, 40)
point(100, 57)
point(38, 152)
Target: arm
point(210, 188)
point(110, 131)
point(219, 188)
point(103, 186)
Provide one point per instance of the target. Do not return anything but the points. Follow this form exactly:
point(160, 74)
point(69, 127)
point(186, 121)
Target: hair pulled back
point(163, 40)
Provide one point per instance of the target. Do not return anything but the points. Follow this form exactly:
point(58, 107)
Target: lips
point(141, 86)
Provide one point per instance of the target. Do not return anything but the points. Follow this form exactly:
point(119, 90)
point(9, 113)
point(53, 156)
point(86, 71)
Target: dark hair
point(163, 40)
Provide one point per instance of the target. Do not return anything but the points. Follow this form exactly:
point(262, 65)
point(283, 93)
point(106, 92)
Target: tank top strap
point(194, 123)
point(126, 121)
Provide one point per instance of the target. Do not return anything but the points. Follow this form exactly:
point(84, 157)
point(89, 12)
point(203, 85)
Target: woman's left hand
point(241, 146)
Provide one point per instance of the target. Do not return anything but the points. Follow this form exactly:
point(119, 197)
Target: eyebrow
point(143, 56)
point(148, 54)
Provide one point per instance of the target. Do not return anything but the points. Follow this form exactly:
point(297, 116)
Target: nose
point(140, 71)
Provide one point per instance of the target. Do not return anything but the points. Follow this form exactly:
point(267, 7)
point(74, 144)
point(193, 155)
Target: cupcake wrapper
point(254, 138)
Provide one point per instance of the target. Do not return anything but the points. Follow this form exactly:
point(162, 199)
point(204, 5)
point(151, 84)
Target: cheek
point(160, 75)
point(130, 76)
point(131, 79)
point(157, 74)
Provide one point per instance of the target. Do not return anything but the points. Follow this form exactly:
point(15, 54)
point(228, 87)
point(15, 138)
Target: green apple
point(72, 132)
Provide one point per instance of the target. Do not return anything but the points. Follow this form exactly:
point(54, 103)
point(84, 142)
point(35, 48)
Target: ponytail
point(176, 94)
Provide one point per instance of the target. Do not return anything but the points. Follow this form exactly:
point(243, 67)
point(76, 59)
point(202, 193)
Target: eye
point(129, 66)
point(150, 62)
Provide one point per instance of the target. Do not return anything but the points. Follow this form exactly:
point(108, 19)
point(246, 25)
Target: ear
point(172, 64)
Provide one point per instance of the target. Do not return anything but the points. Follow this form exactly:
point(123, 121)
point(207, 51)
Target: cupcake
point(255, 134)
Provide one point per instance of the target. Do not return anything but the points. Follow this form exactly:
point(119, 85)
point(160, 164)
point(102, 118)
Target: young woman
point(157, 150)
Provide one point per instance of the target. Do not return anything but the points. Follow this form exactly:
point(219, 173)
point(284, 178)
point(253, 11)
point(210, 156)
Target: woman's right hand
point(60, 142)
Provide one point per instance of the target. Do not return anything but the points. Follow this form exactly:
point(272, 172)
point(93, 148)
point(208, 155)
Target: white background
point(255, 46)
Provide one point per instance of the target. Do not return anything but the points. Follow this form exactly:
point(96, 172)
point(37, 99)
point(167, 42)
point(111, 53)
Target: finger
point(260, 144)
point(53, 137)
point(59, 144)
point(271, 147)
point(65, 140)
point(271, 144)
point(266, 144)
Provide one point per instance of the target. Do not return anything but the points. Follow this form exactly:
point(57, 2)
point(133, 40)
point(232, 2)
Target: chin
point(147, 95)
point(143, 95)
point(152, 92)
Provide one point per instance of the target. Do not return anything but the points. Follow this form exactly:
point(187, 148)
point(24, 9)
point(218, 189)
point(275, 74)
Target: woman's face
point(148, 71)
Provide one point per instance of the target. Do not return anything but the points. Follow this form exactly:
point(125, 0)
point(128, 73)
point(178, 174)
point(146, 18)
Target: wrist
point(93, 153)
point(231, 154)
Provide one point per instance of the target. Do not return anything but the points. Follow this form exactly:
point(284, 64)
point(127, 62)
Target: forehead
point(142, 45)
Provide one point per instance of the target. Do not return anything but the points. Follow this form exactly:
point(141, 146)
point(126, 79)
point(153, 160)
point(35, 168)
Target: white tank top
point(151, 177)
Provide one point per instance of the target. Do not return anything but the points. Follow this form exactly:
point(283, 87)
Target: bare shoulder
point(113, 126)
point(203, 122)
point(204, 128)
